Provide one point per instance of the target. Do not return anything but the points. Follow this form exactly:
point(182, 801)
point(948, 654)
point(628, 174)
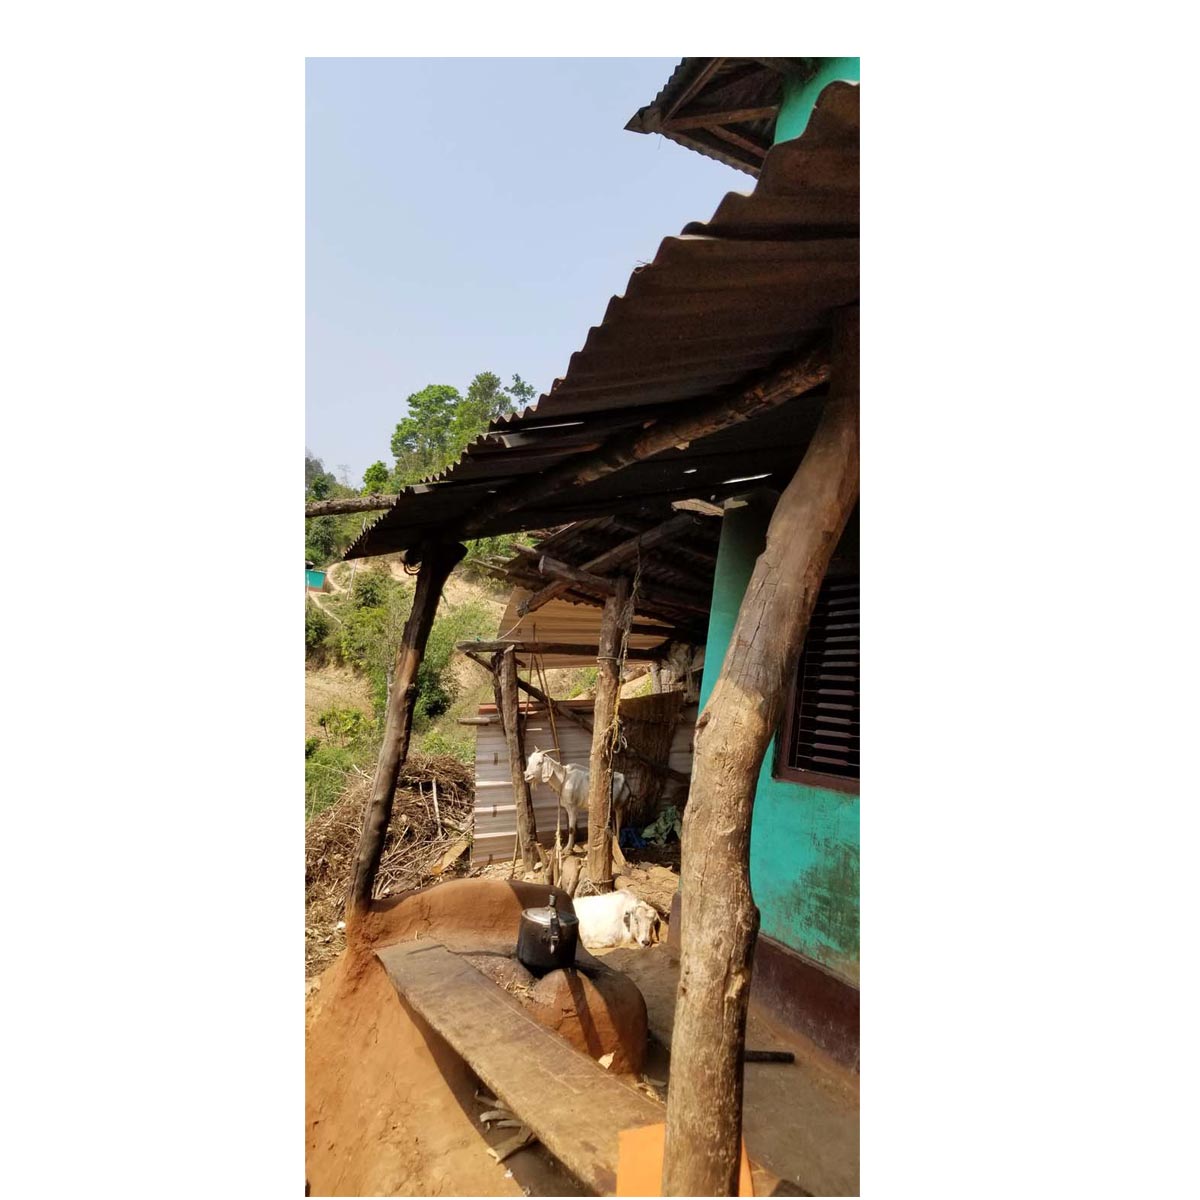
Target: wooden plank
point(575, 1107)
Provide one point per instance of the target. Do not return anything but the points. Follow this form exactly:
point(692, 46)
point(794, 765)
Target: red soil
point(390, 1107)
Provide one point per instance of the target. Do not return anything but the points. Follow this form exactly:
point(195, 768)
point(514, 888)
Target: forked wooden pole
point(436, 564)
point(506, 675)
point(618, 612)
point(720, 920)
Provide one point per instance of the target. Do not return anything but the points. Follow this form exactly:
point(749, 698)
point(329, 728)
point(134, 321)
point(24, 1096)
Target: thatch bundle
point(421, 834)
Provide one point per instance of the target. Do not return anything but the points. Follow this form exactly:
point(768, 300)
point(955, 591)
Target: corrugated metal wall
point(495, 813)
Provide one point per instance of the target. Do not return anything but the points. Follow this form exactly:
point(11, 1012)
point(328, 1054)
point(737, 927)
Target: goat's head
point(537, 767)
point(640, 921)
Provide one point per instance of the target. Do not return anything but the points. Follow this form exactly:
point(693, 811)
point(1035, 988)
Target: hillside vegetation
point(351, 634)
point(351, 637)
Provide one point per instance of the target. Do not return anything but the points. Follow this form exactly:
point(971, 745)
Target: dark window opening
point(818, 737)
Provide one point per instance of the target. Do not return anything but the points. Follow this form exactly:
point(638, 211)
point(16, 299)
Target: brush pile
point(429, 836)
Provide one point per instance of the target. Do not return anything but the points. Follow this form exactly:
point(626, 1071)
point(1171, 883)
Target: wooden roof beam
point(621, 553)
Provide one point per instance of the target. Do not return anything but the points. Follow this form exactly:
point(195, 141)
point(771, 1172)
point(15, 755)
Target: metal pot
point(547, 939)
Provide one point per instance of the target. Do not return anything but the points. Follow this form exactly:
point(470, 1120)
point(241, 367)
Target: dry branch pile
point(432, 816)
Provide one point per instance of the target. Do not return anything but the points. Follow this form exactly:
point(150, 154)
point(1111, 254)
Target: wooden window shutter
point(818, 739)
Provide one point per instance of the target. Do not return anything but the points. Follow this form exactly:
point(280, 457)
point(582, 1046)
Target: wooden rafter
point(730, 116)
point(619, 554)
point(705, 74)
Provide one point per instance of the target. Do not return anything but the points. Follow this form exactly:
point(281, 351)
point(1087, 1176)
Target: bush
point(438, 741)
point(316, 628)
point(345, 726)
point(311, 746)
point(374, 587)
point(435, 679)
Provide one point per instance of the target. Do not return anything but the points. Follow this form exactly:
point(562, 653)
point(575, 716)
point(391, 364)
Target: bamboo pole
point(436, 564)
point(719, 918)
point(618, 612)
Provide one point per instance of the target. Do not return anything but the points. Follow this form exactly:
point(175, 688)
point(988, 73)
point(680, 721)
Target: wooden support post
point(618, 612)
point(720, 920)
point(436, 564)
point(569, 714)
point(506, 675)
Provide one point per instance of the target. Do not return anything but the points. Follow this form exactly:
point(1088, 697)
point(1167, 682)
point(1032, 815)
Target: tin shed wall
point(495, 813)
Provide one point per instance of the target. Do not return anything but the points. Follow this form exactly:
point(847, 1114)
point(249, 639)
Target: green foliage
point(435, 679)
point(316, 628)
point(440, 422)
point(523, 394)
point(370, 633)
point(311, 746)
point(584, 681)
point(422, 443)
point(373, 587)
point(325, 772)
point(375, 478)
point(346, 726)
point(480, 550)
point(321, 540)
point(441, 741)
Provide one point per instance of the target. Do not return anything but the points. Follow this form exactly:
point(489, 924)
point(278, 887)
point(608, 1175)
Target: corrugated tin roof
point(720, 307)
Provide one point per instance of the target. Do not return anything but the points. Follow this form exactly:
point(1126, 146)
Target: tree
point(523, 394)
point(375, 478)
point(485, 400)
point(422, 441)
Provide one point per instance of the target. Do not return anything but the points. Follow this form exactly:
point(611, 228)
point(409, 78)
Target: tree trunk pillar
point(436, 564)
point(618, 614)
point(506, 676)
point(719, 918)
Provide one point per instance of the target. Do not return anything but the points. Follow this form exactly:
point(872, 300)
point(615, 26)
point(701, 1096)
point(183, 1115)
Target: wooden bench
point(573, 1105)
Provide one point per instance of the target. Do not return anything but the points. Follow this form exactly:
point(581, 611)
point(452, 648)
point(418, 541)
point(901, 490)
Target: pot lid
point(542, 915)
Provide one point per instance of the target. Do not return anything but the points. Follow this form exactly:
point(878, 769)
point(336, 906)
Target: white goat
point(615, 919)
point(572, 783)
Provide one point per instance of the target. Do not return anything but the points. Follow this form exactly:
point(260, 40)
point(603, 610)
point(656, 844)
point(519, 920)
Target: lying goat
point(572, 783)
point(616, 919)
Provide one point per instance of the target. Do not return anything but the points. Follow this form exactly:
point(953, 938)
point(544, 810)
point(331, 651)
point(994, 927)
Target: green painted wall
point(800, 95)
point(314, 579)
point(803, 840)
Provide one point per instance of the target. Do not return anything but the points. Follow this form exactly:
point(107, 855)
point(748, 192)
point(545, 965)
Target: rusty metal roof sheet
point(721, 306)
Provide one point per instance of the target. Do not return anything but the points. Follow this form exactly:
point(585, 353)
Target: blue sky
point(473, 214)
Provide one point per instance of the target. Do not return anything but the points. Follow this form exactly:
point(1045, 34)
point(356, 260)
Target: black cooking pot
point(547, 939)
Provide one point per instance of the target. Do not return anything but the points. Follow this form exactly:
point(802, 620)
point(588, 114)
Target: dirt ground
point(800, 1119)
point(398, 1114)
point(328, 687)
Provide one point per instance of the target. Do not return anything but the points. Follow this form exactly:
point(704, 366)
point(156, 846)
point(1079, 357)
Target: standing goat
point(572, 784)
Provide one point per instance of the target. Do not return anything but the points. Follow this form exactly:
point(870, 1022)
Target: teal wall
point(800, 95)
point(803, 840)
point(314, 579)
